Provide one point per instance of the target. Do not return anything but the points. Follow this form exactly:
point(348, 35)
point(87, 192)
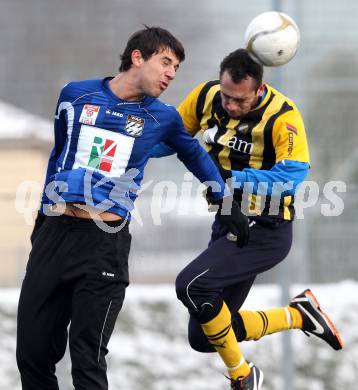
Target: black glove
point(231, 216)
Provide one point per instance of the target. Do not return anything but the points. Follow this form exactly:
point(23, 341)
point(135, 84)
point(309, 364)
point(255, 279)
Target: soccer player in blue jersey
point(77, 272)
point(257, 137)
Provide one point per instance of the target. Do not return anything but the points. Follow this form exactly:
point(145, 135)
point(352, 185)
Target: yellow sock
point(261, 323)
point(221, 335)
point(296, 318)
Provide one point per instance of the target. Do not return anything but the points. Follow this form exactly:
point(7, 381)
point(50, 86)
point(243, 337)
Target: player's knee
point(209, 309)
point(181, 285)
point(20, 359)
point(196, 345)
point(35, 352)
point(201, 301)
point(187, 291)
point(27, 357)
point(199, 342)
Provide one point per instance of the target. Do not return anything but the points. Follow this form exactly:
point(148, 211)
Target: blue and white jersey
point(98, 133)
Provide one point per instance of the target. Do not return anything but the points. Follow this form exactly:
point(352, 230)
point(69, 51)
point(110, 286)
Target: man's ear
point(136, 57)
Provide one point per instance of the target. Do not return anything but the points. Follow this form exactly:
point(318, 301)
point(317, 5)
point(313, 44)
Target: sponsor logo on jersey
point(134, 126)
point(291, 128)
point(102, 154)
point(290, 144)
point(103, 150)
point(240, 145)
point(89, 114)
point(243, 129)
point(114, 113)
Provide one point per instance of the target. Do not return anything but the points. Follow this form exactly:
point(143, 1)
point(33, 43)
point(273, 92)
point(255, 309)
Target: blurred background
point(46, 43)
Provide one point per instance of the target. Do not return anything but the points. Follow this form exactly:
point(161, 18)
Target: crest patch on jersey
point(89, 114)
point(134, 126)
point(243, 129)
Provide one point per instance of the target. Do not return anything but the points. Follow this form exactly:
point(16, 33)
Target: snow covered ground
point(148, 349)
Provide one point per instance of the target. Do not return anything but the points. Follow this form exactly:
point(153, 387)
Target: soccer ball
point(272, 38)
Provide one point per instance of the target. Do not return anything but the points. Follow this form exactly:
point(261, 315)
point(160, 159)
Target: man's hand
point(231, 216)
point(237, 223)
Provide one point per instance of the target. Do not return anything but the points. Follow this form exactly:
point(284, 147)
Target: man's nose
point(171, 73)
point(231, 106)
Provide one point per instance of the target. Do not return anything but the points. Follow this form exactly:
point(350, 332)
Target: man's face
point(238, 98)
point(156, 73)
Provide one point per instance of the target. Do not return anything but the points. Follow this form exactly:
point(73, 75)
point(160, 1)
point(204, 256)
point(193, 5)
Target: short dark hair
point(149, 41)
point(240, 65)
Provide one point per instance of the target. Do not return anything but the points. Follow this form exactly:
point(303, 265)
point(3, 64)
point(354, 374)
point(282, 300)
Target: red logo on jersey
point(291, 128)
point(89, 114)
point(102, 154)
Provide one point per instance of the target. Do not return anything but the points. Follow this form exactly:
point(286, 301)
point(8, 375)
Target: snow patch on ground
point(149, 346)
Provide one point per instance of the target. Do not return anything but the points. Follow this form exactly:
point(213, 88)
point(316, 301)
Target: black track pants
point(77, 275)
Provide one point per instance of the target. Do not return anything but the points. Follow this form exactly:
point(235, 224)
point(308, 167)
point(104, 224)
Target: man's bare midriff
point(86, 212)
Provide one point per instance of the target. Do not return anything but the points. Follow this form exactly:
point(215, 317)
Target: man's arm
point(284, 172)
point(60, 135)
point(194, 157)
point(198, 161)
point(161, 150)
point(63, 115)
point(188, 112)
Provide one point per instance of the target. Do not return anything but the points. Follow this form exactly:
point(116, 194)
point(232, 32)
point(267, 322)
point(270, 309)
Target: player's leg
point(247, 324)
point(303, 312)
point(96, 307)
point(251, 325)
point(234, 296)
point(43, 312)
point(201, 285)
point(97, 300)
point(257, 324)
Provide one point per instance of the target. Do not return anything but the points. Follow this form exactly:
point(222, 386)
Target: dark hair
point(240, 65)
point(150, 41)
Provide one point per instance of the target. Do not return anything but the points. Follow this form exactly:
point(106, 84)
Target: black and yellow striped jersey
point(271, 132)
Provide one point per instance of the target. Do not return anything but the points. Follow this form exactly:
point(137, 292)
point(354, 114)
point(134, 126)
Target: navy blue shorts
point(224, 272)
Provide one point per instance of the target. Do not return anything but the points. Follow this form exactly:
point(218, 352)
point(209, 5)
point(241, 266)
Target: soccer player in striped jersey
point(257, 138)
